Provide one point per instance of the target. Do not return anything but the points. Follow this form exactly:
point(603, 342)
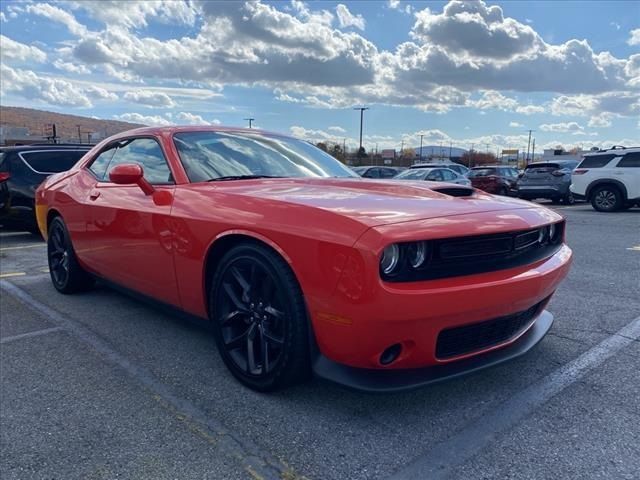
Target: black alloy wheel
point(66, 273)
point(606, 199)
point(260, 318)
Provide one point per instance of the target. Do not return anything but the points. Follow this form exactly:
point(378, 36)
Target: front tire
point(259, 318)
point(606, 199)
point(66, 273)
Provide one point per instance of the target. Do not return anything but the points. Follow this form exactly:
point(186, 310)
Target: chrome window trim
point(48, 151)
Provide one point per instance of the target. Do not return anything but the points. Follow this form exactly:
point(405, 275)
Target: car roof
point(616, 149)
point(173, 129)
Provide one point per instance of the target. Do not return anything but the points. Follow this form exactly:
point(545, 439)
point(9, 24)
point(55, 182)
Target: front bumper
point(382, 381)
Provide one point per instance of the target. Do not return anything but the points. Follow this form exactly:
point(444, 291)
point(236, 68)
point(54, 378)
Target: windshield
point(211, 155)
point(482, 172)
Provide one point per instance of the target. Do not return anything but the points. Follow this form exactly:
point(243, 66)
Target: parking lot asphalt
point(99, 385)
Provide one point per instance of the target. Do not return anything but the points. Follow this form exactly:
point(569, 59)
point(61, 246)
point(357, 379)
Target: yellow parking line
point(12, 274)
point(19, 247)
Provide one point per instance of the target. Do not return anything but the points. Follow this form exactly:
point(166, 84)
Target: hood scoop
point(455, 191)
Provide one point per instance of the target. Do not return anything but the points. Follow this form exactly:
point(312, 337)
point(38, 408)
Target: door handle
point(94, 195)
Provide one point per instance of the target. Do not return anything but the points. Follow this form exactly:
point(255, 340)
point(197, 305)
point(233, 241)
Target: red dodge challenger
point(302, 266)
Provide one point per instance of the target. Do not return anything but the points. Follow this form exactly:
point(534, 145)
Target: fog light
point(391, 354)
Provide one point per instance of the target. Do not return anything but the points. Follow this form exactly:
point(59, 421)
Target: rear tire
point(569, 199)
point(260, 318)
point(606, 198)
point(66, 273)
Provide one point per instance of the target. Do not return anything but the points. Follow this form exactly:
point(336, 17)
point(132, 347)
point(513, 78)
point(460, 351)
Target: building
point(551, 154)
point(18, 136)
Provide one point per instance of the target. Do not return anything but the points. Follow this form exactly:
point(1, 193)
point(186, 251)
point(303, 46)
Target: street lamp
point(250, 121)
point(362, 109)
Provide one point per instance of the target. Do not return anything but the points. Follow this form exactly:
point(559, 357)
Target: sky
point(468, 74)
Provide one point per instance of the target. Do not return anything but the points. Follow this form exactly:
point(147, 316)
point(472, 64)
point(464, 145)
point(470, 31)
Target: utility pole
point(344, 149)
point(362, 109)
point(421, 135)
point(450, 148)
point(528, 145)
point(487, 148)
point(533, 153)
point(79, 134)
point(250, 119)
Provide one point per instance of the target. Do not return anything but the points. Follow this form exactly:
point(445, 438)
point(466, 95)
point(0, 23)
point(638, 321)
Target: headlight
point(390, 259)
point(552, 232)
point(416, 253)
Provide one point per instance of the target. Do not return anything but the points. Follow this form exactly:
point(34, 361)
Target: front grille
point(453, 257)
point(453, 342)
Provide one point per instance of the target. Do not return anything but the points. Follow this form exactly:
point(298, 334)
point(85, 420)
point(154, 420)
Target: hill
point(66, 125)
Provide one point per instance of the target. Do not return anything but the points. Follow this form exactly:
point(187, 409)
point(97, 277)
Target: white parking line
point(257, 462)
point(37, 333)
point(441, 461)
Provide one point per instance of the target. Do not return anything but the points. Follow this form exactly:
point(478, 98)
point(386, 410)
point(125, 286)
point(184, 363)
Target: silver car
point(433, 175)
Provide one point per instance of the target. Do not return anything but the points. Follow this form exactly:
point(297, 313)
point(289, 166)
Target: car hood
point(374, 202)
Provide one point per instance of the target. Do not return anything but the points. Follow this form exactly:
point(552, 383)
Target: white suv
point(609, 179)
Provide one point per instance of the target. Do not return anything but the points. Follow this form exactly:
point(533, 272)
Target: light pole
point(528, 145)
point(362, 109)
point(250, 121)
point(421, 135)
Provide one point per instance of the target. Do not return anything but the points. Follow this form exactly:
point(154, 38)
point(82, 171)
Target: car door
point(130, 232)
point(628, 171)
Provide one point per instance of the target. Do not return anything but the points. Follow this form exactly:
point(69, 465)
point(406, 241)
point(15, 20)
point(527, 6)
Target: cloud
point(152, 120)
point(616, 103)
point(634, 37)
point(12, 50)
point(28, 84)
point(603, 120)
point(348, 19)
point(58, 15)
point(337, 129)
point(71, 67)
point(148, 98)
point(565, 127)
point(101, 94)
point(516, 125)
point(132, 14)
point(3, 17)
point(475, 30)
point(187, 118)
point(530, 109)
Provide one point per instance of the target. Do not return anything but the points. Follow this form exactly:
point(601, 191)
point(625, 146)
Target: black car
point(549, 180)
point(377, 172)
point(22, 169)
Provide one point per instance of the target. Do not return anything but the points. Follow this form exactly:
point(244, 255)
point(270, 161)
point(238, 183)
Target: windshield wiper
point(241, 177)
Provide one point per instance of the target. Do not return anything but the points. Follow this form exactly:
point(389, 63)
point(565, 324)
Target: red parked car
point(301, 266)
point(495, 179)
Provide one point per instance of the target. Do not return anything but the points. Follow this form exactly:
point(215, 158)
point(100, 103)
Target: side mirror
point(520, 175)
point(130, 174)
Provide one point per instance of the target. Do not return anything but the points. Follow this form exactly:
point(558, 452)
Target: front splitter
point(383, 381)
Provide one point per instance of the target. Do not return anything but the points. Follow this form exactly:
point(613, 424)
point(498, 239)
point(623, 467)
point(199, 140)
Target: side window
point(448, 176)
point(596, 161)
point(373, 173)
point(436, 176)
point(387, 173)
point(53, 161)
point(101, 162)
point(630, 160)
point(145, 152)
